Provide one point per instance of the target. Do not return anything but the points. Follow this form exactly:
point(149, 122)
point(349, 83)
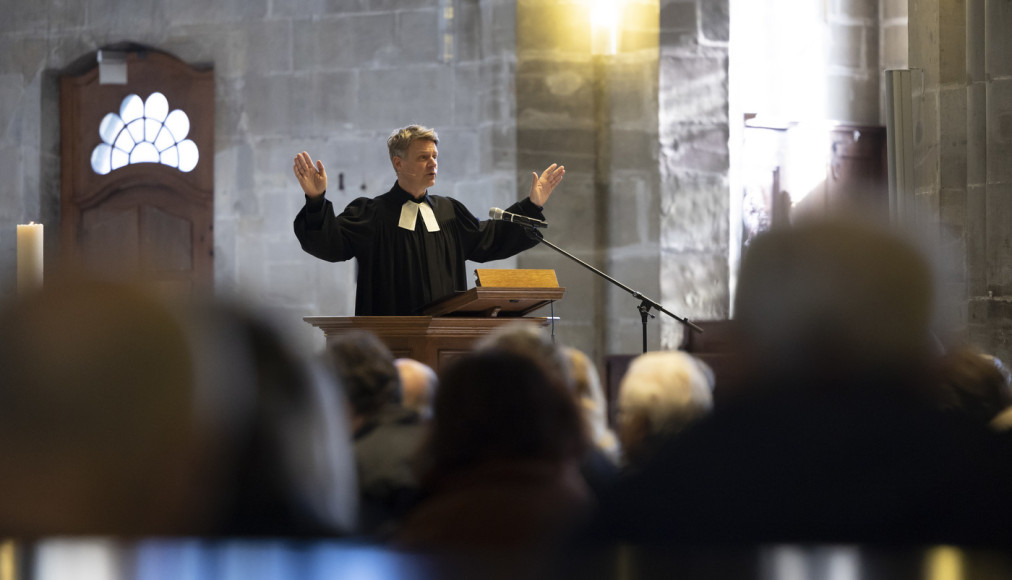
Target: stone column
point(991, 313)
point(694, 162)
point(597, 115)
point(963, 139)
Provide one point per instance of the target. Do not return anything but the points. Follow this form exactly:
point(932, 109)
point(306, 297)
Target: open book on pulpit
point(501, 293)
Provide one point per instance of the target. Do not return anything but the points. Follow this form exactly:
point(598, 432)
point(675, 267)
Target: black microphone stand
point(645, 305)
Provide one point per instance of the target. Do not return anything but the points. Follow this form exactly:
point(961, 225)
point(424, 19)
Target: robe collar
point(411, 208)
point(400, 195)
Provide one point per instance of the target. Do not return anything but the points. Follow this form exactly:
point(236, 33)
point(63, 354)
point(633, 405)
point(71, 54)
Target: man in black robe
point(410, 245)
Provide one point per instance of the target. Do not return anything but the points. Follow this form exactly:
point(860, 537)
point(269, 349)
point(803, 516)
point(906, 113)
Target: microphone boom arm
point(645, 303)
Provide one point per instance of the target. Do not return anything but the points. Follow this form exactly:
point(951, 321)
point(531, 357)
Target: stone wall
point(597, 115)
point(962, 143)
point(852, 62)
point(694, 132)
point(804, 61)
point(893, 42)
point(988, 234)
point(333, 78)
point(643, 135)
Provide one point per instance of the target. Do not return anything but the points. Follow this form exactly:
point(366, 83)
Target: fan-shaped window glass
point(119, 158)
point(131, 108)
point(170, 157)
point(156, 107)
point(179, 124)
point(144, 153)
point(187, 156)
point(101, 159)
point(137, 130)
point(111, 125)
point(144, 132)
point(151, 129)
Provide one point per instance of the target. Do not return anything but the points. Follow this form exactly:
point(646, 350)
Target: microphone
point(498, 214)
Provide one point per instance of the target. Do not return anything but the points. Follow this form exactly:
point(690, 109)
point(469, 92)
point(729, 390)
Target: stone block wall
point(893, 41)
point(852, 61)
point(694, 163)
point(555, 102)
point(326, 76)
point(990, 240)
point(962, 144)
point(803, 61)
point(643, 134)
point(597, 115)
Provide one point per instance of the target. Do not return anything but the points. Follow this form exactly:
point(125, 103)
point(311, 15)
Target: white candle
point(29, 257)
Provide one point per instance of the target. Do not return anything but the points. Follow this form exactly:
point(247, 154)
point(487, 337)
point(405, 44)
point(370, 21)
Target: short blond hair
point(401, 139)
point(671, 389)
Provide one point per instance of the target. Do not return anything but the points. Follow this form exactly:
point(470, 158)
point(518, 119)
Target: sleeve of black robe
point(334, 238)
point(400, 272)
point(496, 240)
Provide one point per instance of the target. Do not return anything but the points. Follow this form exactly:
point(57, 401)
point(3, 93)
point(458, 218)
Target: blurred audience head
point(661, 394)
point(832, 301)
point(365, 367)
point(98, 429)
point(590, 397)
point(495, 404)
point(124, 414)
point(527, 339)
point(295, 470)
point(418, 386)
point(973, 384)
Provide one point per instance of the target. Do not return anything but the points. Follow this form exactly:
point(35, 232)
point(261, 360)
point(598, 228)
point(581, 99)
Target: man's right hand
point(313, 179)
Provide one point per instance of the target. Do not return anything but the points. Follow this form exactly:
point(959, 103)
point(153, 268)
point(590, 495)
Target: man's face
point(417, 171)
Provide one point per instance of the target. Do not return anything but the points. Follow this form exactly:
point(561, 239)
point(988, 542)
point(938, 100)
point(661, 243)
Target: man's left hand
point(542, 185)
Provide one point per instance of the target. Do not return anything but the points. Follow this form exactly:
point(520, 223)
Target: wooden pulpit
point(452, 325)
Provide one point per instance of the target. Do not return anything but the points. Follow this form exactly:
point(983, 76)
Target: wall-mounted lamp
point(605, 25)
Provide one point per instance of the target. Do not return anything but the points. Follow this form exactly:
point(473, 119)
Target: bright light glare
point(86, 559)
point(605, 23)
point(945, 563)
point(780, 58)
point(808, 152)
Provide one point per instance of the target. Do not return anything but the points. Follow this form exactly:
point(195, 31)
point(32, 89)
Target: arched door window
point(144, 132)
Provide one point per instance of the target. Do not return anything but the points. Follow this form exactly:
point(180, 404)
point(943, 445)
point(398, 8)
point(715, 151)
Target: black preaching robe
point(400, 271)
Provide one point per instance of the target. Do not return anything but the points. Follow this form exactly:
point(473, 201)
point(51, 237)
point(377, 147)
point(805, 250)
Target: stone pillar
point(963, 139)
point(695, 200)
point(975, 233)
point(597, 115)
point(952, 166)
point(990, 316)
point(893, 43)
point(852, 62)
point(634, 222)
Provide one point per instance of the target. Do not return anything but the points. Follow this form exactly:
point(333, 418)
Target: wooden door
point(137, 192)
point(858, 171)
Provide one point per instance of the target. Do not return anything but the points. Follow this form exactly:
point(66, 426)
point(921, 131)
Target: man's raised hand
point(542, 185)
point(313, 179)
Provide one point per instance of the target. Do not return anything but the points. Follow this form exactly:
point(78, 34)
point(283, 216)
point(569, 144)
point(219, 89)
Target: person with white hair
point(590, 395)
point(418, 386)
point(660, 395)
